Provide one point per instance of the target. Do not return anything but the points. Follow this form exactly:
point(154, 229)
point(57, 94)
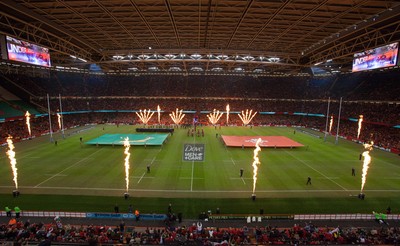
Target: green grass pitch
point(71, 177)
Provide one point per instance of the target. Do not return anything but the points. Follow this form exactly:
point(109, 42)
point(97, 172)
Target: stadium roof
point(265, 36)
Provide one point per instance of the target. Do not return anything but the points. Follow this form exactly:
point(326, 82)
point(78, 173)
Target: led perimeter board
point(384, 56)
point(22, 51)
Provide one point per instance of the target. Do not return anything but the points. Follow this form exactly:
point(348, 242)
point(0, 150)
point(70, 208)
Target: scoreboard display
point(381, 57)
point(22, 51)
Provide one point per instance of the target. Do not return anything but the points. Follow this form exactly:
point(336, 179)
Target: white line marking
point(191, 183)
point(141, 177)
point(59, 175)
point(199, 191)
point(189, 178)
point(243, 181)
point(76, 163)
point(241, 178)
point(233, 161)
point(327, 178)
point(316, 171)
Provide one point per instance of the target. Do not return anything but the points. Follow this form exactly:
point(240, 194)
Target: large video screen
point(385, 56)
point(22, 51)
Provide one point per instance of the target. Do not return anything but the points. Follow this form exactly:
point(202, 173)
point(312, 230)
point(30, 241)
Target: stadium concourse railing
point(249, 217)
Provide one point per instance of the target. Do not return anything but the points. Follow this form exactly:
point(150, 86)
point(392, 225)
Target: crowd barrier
point(342, 217)
point(160, 217)
point(48, 214)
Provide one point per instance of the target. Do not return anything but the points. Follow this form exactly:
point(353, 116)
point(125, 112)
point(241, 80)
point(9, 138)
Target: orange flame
point(13, 161)
point(127, 166)
point(145, 115)
point(367, 161)
point(159, 113)
point(360, 120)
point(330, 124)
point(59, 120)
point(214, 116)
point(247, 117)
point(177, 116)
point(28, 122)
point(256, 162)
point(227, 114)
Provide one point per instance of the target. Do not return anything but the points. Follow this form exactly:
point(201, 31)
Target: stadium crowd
point(377, 86)
point(22, 233)
point(193, 234)
point(372, 94)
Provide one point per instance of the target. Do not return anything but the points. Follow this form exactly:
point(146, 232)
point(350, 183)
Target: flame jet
point(177, 116)
point(145, 116)
point(13, 160)
point(247, 117)
point(330, 124)
point(214, 116)
point(159, 113)
point(59, 120)
point(127, 146)
point(28, 122)
point(227, 114)
point(255, 164)
point(360, 120)
point(367, 161)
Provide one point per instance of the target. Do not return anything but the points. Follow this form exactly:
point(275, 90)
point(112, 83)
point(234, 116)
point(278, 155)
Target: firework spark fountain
point(330, 124)
point(367, 161)
point(227, 114)
point(159, 113)
point(127, 146)
point(177, 116)
point(145, 116)
point(247, 117)
point(59, 120)
point(360, 120)
point(255, 164)
point(28, 122)
point(13, 160)
point(214, 116)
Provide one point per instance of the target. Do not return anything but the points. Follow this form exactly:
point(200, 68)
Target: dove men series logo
point(193, 152)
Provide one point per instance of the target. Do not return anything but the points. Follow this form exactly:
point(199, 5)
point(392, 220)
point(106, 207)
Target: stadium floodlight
point(196, 69)
point(170, 56)
point(81, 59)
point(72, 56)
point(175, 69)
point(195, 56)
point(274, 59)
point(117, 57)
point(143, 57)
point(153, 69)
point(238, 69)
point(248, 58)
point(217, 69)
point(222, 57)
